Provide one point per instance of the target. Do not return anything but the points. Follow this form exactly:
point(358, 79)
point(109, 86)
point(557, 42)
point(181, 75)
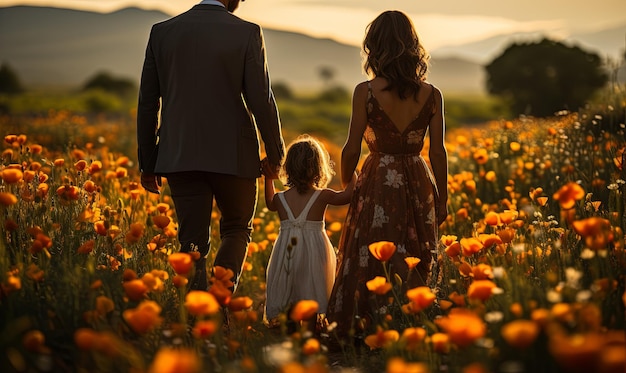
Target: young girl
point(302, 263)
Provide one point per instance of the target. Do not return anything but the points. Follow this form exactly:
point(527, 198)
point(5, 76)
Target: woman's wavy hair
point(307, 165)
point(393, 51)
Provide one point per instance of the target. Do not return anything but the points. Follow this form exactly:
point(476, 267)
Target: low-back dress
point(302, 263)
point(394, 200)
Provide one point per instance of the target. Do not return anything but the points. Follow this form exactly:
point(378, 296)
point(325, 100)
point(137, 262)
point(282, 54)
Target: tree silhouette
point(9, 81)
point(108, 83)
point(544, 77)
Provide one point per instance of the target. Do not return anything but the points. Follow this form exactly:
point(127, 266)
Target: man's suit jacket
point(206, 71)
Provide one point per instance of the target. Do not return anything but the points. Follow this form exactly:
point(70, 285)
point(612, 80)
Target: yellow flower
point(311, 346)
point(382, 250)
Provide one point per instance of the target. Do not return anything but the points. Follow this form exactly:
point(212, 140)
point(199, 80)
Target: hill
point(62, 47)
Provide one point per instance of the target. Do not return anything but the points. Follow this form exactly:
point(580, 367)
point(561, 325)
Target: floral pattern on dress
point(394, 200)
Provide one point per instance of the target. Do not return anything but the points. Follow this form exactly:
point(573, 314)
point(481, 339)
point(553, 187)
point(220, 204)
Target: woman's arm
point(351, 151)
point(439, 156)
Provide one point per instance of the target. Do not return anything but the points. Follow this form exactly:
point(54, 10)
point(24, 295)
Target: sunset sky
point(439, 22)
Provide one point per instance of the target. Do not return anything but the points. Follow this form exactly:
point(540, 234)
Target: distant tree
point(108, 83)
point(327, 74)
point(9, 81)
point(334, 94)
point(282, 91)
point(544, 77)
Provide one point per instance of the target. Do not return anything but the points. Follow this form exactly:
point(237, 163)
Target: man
point(205, 70)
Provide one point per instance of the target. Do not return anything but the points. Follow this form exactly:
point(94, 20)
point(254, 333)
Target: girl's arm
point(439, 156)
point(269, 176)
point(351, 151)
point(342, 197)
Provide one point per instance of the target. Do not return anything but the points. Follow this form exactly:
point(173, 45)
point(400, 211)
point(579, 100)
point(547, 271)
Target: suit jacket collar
point(208, 7)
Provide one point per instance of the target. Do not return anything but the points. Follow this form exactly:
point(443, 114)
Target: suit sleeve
point(260, 99)
point(148, 112)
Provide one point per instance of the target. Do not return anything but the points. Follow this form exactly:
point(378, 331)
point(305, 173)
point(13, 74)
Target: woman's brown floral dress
point(394, 200)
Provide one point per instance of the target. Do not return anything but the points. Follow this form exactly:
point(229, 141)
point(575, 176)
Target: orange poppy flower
point(135, 232)
point(221, 292)
point(135, 289)
point(489, 239)
point(596, 231)
point(382, 250)
point(413, 337)
point(80, 165)
point(412, 262)
point(176, 360)
point(181, 263)
point(85, 338)
point(480, 289)
point(12, 175)
point(304, 310)
point(506, 235)
point(453, 250)
point(104, 305)
point(223, 275)
point(471, 245)
point(462, 326)
point(378, 285)
point(7, 199)
point(492, 218)
point(481, 156)
point(240, 303)
point(381, 338)
point(204, 329)
point(568, 194)
point(520, 333)
point(161, 221)
point(95, 166)
point(440, 343)
point(482, 272)
point(144, 318)
point(311, 346)
point(421, 298)
point(201, 303)
point(34, 341)
point(87, 247)
point(447, 240)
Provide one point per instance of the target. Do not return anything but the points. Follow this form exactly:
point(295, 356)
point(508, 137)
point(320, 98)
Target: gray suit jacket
point(205, 70)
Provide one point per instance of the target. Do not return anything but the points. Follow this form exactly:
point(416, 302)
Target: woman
point(397, 197)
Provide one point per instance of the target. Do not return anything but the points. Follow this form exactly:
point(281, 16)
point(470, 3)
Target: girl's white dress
point(302, 263)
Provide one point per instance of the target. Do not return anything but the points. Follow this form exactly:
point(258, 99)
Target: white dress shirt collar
point(212, 2)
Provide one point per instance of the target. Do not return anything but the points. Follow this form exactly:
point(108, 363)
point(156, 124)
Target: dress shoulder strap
point(306, 209)
point(281, 196)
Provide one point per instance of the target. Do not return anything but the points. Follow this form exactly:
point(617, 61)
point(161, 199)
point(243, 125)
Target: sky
point(439, 23)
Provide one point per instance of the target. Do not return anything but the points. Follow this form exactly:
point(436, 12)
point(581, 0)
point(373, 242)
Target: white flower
point(583, 296)
point(587, 254)
point(572, 277)
point(498, 272)
point(494, 316)
point(553, 296)
point(379, 217)
point(394, 178)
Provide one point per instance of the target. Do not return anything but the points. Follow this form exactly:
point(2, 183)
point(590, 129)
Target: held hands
point(151, 182)
point(269, 170)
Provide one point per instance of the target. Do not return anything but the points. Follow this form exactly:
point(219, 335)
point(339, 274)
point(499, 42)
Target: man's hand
point(151, 182)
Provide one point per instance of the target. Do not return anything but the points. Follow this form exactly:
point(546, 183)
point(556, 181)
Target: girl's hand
point(269, 170)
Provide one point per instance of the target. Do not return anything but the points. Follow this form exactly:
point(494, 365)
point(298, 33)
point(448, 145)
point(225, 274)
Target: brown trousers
point(235, 197)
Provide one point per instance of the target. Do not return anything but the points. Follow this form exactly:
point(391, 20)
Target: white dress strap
point(305, 211)
point(281, 196)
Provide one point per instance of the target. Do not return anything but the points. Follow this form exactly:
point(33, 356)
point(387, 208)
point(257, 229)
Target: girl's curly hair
point(393, 51)
point(307, 165)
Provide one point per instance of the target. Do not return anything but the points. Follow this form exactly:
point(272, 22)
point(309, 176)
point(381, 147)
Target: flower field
point(529, 276)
